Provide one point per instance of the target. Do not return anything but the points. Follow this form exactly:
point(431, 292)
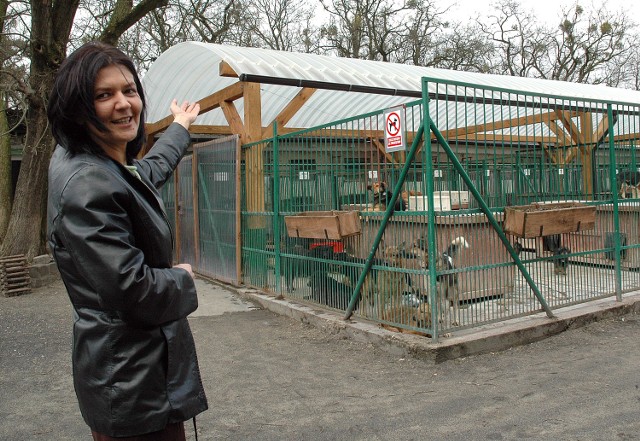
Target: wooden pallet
point(14, 276)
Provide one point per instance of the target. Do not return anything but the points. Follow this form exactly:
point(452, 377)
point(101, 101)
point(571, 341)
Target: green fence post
point(614, 193)
point(277, 230)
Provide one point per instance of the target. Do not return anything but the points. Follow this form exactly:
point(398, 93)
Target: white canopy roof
point(190, 71)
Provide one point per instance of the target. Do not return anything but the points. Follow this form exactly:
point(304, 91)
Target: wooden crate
point(14, 276)
point(545, 219)
point(323, 224)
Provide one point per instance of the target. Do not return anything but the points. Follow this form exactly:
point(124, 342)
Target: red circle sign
point(393, 124)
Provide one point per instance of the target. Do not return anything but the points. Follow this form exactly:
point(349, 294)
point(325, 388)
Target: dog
point(393, 285)
point(382, 195)
point(413, 310)
point(327, 290)
point(553, 243)
point(447, 284)
point(447, 289)
point(294, 268)
point(351, 267)
point(628, 184)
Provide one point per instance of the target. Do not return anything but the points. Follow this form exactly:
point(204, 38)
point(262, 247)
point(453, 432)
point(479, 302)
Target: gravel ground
point(269, 377)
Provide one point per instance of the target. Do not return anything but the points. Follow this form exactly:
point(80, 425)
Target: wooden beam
point(601, 130)
point(225, 70)
point(572, 152)
point(252, 111)
point(254, 158)
point(506, 138)
point(628, 137)
point(380, 146)
point(229, 93)
point(586, 127)
point(563, 137)
point(503, 124)
point(551, 154)
point(234, 119)
point(565, 117)
point(211, 130)
point(289, 110)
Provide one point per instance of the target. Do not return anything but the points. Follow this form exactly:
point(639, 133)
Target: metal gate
point(202, 204)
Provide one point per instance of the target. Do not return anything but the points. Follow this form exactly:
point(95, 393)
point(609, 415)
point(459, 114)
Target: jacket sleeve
point(164, 156)
point(95, 228)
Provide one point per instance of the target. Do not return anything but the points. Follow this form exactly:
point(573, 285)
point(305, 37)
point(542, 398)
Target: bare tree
point(521, 43)
point(627, 72)
point(280, 24)
point(345, 32)
point(210, 21)
point(586, 44)
point(423, 32)
point(463, 47)
point(586, 47)
point(48, 35)
point(384, 24)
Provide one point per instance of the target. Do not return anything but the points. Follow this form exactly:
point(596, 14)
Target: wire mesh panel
point(257, 221)
point(185, 219)
point(168, 194)
point(218, 222)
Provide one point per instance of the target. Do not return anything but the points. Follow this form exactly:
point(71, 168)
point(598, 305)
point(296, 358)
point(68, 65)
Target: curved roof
point(190, 71)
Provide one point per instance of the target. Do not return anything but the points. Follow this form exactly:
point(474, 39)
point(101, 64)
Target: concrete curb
point(489, 338)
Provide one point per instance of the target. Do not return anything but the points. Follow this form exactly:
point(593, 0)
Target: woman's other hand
point(184, 114)
point(185, 266)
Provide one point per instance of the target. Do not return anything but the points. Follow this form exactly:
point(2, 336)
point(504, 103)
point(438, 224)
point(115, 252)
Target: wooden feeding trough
point(323, 224)
point(545, 219)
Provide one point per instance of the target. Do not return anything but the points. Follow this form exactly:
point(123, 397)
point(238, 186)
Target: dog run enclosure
point(423, 199)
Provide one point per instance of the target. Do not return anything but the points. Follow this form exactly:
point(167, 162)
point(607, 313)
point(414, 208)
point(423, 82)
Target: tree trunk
point(51, 23)
point(5, 146)
point(5, 169)
point(26, 232)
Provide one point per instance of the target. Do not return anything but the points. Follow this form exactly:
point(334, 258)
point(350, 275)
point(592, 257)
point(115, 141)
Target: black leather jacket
point(134, 360)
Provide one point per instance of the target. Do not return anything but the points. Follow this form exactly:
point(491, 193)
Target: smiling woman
point(135, 369)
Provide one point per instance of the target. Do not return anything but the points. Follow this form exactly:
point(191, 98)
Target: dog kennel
point(439, 248)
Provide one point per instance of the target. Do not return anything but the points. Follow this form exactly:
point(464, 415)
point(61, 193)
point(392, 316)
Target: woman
point(135, 369)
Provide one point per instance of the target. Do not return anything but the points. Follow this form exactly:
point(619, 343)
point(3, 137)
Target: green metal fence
point(433, 271)
point(431, 255)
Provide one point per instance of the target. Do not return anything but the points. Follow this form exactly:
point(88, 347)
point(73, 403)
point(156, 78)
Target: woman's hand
point(186, 267)
point(184, 114)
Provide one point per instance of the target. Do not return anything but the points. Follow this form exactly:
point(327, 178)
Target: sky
point(546, 10)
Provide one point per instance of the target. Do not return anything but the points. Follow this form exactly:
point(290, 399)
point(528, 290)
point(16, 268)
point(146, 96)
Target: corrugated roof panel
point(190, 71)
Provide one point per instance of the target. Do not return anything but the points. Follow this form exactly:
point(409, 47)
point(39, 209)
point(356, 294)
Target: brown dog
point(382, 195)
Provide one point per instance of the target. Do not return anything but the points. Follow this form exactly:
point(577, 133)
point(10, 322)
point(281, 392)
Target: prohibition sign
point(394, 139)
point(393, 124)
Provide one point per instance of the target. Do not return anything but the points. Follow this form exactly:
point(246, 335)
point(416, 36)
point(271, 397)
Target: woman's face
point(118, 107)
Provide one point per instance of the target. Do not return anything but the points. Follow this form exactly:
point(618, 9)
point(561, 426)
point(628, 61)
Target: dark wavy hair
point(71, 103)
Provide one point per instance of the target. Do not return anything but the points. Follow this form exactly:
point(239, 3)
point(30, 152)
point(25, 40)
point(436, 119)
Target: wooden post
point(254, 164)
point(586, 156)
